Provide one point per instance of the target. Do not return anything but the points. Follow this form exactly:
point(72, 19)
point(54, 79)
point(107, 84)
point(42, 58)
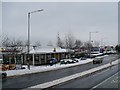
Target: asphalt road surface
point(24, 81)
point(92, 80)
point(111, 82)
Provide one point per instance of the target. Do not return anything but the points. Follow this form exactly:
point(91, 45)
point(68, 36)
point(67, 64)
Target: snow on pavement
point(35, 69)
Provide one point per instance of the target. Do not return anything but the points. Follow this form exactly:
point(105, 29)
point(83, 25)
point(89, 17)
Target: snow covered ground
point(35, 69)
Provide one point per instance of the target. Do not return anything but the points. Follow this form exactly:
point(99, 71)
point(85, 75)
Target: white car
point(75, 60)
point(67, 61)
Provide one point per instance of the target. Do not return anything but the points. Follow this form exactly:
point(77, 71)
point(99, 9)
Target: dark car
point(53, 61)
point(83, 58)
point(3, 75)
point(97, 60)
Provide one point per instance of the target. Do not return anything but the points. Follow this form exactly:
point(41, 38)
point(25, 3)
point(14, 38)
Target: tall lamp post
point(90, 34)
point(28, 49)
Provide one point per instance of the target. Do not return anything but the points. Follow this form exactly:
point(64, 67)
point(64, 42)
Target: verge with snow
point(36, 69)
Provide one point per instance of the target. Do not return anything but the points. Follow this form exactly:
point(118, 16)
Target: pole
point(28, 46)
point(28, 32)
point(90, 44)
point(101, 42)
point(90, 41)
point(28, 59)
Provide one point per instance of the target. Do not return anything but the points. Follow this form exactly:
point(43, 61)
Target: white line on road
point(103, 81)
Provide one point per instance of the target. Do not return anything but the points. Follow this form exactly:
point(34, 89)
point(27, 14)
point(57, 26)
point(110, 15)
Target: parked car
point(70, 61)
point(63, 61)
point(67, 61)
point(53, 61)
point(75, 60)
point(3, 74)
point(97, 60)
point(83, 58)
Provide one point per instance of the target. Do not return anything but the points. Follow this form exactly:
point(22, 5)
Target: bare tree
point(5, 41)
point(12, 46)
point(69, 41)
point(78, 44)
point(88, 47)
point(16, 45)
point(37, 43)
point(49, 43)
point(59, 41)
point(96, 43)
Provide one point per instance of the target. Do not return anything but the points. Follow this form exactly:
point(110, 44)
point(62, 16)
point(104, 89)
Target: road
point(111, 82)
point(93, 80)
point(25, 81)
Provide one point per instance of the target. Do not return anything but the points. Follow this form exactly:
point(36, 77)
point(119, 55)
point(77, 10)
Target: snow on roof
point(47, 50)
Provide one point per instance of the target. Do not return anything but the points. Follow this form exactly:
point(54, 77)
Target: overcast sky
point(79, 18)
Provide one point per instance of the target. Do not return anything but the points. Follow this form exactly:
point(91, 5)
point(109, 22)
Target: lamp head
point(40, 10)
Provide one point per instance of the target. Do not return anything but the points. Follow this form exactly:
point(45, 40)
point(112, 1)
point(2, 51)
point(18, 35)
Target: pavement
point(45, 68)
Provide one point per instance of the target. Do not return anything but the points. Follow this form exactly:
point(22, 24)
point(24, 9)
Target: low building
point(36, 56)
point(42, 55)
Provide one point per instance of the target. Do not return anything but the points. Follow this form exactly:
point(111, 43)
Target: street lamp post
point(90, 34)
point(28, 49)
